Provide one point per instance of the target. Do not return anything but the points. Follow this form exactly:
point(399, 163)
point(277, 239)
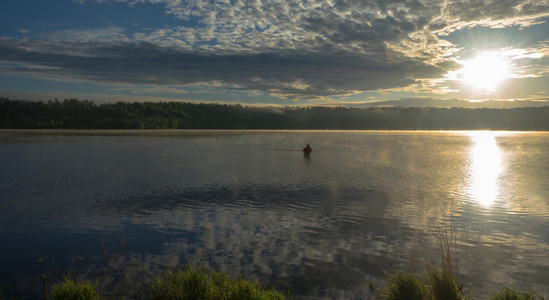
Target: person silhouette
point(307, 151)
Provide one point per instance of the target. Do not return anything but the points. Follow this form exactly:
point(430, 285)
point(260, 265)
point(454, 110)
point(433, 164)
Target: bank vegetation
point(77, 114)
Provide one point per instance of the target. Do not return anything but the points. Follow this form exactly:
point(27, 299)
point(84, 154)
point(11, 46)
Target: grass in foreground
point(405, 286)
point(443, 285)
point(512, 294)
point(205, 285)
point(197, 284)
point(437, 285)
point(71, 290)
point(440, 283)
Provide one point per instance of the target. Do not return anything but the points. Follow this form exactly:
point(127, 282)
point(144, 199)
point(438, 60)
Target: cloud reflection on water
point(279, 234)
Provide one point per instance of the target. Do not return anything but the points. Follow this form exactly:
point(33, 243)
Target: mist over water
point(124, 206)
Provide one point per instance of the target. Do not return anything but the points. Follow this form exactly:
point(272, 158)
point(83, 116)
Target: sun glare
point(486, 71)
point(486, 167)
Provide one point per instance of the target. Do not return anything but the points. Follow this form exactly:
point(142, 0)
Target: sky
point(277, 52)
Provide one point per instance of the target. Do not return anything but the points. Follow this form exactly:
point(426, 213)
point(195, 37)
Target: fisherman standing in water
point(307, 151)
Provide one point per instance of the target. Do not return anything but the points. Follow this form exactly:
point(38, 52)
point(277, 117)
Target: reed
point(442, 285)
point(439, 282)
point(448, 259)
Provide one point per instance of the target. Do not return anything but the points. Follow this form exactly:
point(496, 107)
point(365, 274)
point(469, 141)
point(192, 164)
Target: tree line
point(77, 114)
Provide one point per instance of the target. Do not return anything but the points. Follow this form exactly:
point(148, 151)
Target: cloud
point(151, 90)
point(292, 49)
point(112, 33)
point(288, 73)
point(454, 102)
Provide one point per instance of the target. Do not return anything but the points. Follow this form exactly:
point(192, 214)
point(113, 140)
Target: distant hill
point(76, 114)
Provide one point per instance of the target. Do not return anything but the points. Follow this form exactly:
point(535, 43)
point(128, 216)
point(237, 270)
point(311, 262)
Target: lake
point(125, 206)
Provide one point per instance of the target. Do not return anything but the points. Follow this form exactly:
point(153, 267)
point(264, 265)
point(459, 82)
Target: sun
point(486, 71)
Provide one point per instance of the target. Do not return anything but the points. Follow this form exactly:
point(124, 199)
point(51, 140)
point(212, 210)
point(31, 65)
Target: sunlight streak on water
point(486, 167)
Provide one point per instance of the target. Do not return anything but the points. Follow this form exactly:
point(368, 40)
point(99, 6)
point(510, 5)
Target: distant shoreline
point(74, 114)
point(183, 132)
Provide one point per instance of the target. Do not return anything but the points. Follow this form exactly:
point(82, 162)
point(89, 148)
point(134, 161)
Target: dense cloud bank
point(289, 72)
point(75, 114)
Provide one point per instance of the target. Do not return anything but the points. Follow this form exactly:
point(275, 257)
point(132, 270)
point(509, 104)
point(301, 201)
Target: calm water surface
point(123, 207)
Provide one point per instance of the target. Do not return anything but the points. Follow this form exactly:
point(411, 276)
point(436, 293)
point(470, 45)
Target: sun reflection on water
point(485, 167)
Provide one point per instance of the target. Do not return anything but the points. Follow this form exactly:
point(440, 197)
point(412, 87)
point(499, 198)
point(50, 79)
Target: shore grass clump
point(435, 285)
point(74, 290)
point(406, 286)
point(508, 293)
point(442, 285)
point(199, 284)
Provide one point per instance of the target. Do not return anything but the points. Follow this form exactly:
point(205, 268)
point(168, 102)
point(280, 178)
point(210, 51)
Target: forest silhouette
point(77, 114)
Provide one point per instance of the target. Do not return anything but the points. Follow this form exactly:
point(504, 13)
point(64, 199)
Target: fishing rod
point(282, 149)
